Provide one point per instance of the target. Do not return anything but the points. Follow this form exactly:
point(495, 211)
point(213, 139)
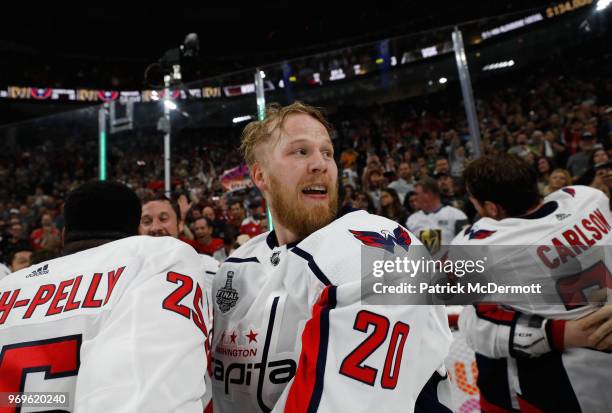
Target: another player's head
point(502, 186)
point(427, 194)
point(160, 217)
point(291, 158)
point(99, 212)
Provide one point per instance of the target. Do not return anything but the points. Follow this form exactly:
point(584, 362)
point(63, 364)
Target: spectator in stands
point(348, 161)
point(599, 156)
point(217, 224)
point(47, 236)
point(364, 201)
point(13, 240)
point(603, 178)
point(251, 225)
point(435, 224)
point(457, 161)
point(521, 148)
point(206, 244)
point(544, 167)
point(20, 258)
point(236, 216)
point(553, 147)
point(391, 207)
point(558, 179)
point(447, 191)
point(404, 183)
point(578, 163)
point(410, 204)
point(375, 181)
point(441, 167)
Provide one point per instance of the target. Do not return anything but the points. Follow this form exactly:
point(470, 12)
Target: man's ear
point(259, 177)
point(494, 210)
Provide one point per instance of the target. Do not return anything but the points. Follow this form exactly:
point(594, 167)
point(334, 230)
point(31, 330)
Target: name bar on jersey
point(51, 299)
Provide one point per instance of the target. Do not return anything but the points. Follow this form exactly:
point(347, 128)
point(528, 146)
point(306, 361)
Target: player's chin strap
point(530, 336)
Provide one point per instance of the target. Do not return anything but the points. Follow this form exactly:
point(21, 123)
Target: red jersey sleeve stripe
point(495, 313)
point(307, 388)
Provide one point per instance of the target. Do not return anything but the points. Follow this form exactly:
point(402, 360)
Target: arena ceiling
point(232, 37)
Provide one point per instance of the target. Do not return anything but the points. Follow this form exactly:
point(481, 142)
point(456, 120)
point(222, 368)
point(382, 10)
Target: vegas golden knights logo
point(432, 239)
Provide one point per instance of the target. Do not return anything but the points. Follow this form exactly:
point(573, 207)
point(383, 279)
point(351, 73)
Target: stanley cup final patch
point(227, 296)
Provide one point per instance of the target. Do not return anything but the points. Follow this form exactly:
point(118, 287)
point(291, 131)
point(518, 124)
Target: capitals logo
point(570, 191)
point(478, 234)
point(384, 239)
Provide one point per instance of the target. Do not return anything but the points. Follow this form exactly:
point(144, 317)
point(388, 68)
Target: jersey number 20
point(353, 365)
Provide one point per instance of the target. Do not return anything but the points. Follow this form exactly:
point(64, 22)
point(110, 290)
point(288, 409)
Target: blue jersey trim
point(312, 265)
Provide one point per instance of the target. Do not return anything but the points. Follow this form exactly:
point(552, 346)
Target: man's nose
point(318, 163)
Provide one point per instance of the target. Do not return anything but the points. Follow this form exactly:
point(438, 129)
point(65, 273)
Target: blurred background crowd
point(395, 157)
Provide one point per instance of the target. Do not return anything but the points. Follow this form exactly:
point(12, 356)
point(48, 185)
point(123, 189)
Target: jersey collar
point(273, 242)
point(436, 211)
point(546, 209)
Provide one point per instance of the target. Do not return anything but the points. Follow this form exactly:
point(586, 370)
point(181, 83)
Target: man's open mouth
point(315, 190)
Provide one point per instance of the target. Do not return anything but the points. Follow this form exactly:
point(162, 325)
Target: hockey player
point(118, 323)
point(161, 217)
point(291, 333)
point(540, 357)
point(435, 224)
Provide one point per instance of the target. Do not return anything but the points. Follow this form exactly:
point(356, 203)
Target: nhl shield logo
point(275, 258)
point(227, 296)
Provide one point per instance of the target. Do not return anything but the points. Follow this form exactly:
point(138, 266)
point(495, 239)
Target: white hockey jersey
point(571, 229)
point(291, 334)
point(437, 229)
point(4, 271)
point(121, 327)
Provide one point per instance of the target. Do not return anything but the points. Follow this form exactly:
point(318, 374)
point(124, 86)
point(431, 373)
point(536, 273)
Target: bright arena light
point(170, 104)
point(499, 65)
point(242, 119)
point(602, 4)
point(442, 80)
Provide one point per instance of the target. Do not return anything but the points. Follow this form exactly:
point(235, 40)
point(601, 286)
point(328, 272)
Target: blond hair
point(259, 132)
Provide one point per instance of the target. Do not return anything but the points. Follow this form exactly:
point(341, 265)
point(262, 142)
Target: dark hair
point(429, 185)
point(407, 206)
point(101, 210)
point(505, 180)
point(395, 211)
point(173, 204)
point(368, 198)
point(15, 251)
point(209, 223)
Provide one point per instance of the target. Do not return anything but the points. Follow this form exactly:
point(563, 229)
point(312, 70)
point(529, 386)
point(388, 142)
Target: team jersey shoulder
point(251, 249)
point(135, 250)
point(455, 213)
point(575, 194)
point(209, 264)
point(482, 231)
point(415, 217)
point(336, 249)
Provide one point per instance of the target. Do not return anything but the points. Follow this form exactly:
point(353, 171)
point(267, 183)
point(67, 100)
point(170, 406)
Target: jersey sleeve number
point(354, 366)
point(574, 289)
